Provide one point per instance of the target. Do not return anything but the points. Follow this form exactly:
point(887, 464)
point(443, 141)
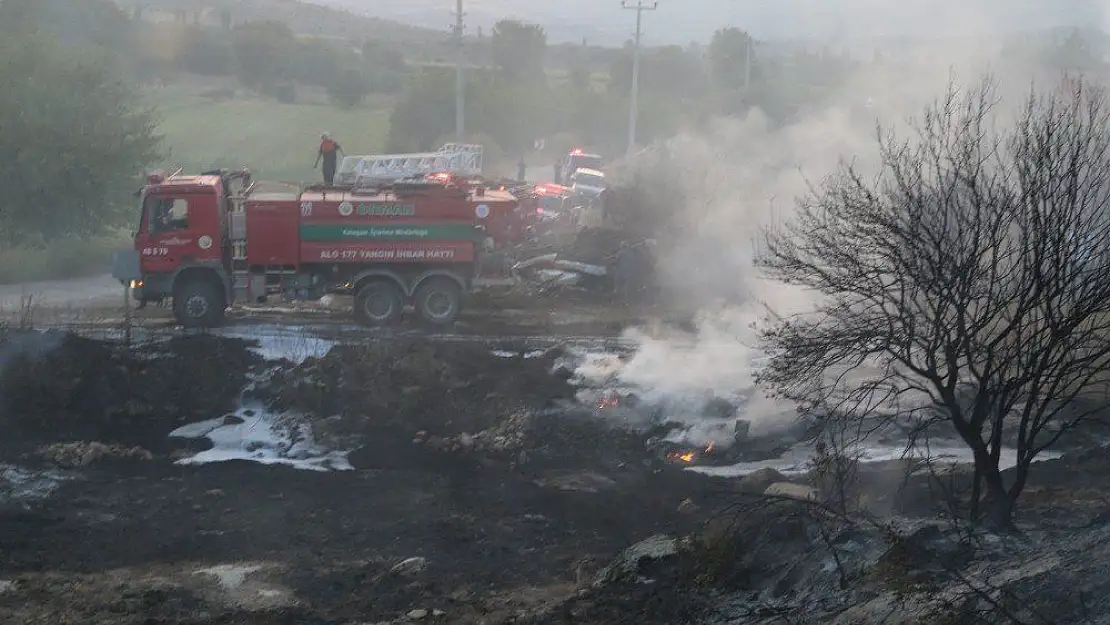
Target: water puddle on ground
point(256, 435)
point(292, 343)
point(799, 460)
point(19, 485)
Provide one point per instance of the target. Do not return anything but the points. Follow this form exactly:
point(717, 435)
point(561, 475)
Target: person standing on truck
point(329, 151)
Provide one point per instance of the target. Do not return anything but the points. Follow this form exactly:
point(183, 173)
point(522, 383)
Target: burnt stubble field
point(473, 493)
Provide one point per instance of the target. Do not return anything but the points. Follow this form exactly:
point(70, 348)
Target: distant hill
point(603, 22)
point(682, 21)
point(302, 17)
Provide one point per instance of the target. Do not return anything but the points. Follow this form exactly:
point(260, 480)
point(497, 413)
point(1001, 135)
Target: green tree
point(518, 50)
point(514, 114)
point(99, 24)
point(424, 112)
point(75, 137)
point(318, 62)
point(204, 51)
point(348, 89)
point(1076, 53)
point(728, 57)
point(382, 57)
point(385, 67)
point(579, 73)
point(264, 54)
point(669, 71)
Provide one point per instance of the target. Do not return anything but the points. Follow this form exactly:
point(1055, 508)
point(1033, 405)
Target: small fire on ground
point(680, 455)
point(690, 456)
point(609, 400)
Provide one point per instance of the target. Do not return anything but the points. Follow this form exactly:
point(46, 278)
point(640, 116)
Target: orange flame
point(609, 400)
point(685, 456)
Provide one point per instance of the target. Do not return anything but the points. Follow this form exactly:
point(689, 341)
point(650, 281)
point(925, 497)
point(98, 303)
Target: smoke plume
point(738, 175)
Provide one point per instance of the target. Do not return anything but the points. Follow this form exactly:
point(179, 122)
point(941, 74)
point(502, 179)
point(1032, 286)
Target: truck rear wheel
point(198, 304)
point(438, 301)
point(379, 303)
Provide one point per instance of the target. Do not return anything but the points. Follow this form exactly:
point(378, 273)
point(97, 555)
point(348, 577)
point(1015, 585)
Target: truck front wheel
point(379, 303)
point(438, 301)
point(198, 304)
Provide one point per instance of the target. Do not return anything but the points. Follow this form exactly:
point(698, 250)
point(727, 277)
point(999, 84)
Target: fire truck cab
point(210, 240)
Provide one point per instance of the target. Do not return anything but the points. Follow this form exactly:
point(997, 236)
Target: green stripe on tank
point(390, 233)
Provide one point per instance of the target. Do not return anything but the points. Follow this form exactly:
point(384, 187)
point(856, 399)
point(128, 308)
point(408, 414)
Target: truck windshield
point(584, 161)
point(166, 214)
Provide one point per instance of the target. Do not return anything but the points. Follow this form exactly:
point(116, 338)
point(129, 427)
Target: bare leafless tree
point(966, 283)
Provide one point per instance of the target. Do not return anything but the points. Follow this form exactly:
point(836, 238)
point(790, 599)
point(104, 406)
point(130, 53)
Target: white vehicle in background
point(588, 183)
point(577, 159)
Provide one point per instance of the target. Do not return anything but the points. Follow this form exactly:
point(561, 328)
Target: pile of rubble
point(83, 454)
point(509, 436)
point(597, 261)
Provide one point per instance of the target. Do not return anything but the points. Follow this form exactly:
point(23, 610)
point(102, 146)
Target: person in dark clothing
point(521, 170)
point(632, 272)
point(329, 151)
point(558, 171)
point(624, 270)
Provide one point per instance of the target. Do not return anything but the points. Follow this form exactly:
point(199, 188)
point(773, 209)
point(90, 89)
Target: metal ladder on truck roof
point(461, 159)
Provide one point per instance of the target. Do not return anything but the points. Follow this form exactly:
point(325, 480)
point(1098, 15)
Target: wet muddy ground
point(460, 478)
point(500, 526)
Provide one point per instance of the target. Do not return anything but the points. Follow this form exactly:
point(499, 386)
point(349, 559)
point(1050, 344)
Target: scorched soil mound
point(57, 387)
point(443, 389)
point(127, 544)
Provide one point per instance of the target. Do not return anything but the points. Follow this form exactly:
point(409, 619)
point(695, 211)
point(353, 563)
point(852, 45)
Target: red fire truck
point(211, 240)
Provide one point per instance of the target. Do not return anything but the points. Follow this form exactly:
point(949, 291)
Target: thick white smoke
point(739, 175)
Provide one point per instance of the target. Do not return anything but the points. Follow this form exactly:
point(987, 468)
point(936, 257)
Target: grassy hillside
point(304, 18)
point(277, 141)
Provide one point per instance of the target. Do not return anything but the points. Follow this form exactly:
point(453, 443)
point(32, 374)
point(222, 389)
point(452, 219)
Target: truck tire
point(379, 303)
point(438, 301)
point(198, 304)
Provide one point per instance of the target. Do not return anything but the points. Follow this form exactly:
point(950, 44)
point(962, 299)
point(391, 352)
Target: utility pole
point(747, 63)
point(639, 8)
point(460, 80)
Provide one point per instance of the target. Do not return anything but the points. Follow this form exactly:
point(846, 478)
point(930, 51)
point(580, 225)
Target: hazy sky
point(680, 21)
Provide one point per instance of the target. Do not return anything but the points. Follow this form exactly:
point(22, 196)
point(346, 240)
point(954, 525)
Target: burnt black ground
point(488, 526)
point(121, 541)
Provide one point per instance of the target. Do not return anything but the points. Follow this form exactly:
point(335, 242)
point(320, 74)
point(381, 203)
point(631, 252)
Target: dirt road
point(98, 291)
point(95, 307)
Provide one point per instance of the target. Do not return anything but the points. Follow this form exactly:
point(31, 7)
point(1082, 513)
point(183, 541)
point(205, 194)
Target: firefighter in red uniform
point(329, 151)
